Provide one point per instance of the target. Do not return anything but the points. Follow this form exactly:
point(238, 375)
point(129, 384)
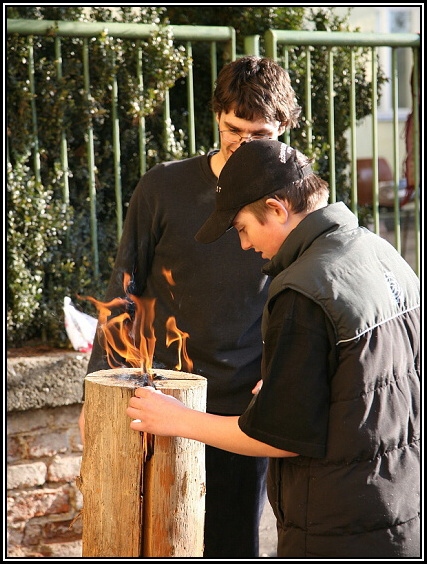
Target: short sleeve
point(291, 410)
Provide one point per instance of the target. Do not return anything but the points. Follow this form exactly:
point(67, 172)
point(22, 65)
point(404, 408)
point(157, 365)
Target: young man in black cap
point(338, 411)
point(253, 99)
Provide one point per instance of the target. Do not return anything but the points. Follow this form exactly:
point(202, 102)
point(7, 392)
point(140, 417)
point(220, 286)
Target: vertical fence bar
point(214, 74)
point(396, 168)
point(141, 121)
point(251, 45)
point(232, 43)
point(374, 101)
point(270, 44)
point(166, 122)
point(31, 79)
point(190, 102)
point(308, 108)
point(64, 148)
point(116, 150)
point(331, 127)
point(353, 152)
point(91, 161)
point(285, 56)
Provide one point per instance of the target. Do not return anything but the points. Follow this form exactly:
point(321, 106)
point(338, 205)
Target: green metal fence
point(281, 43)
point(278, 45)
point(125, 31)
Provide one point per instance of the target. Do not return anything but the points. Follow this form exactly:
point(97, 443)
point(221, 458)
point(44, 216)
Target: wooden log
point(132, 506)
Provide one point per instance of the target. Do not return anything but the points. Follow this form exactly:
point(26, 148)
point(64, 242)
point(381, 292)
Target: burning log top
point(134, 378)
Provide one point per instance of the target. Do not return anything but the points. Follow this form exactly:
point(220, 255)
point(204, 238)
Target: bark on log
point(132, 507)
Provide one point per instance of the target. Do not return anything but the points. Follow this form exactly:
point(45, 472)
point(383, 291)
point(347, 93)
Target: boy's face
point(229, 124)
point(265, 238)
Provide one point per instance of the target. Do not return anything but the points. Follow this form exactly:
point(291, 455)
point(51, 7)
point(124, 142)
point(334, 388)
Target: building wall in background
point(386, 19)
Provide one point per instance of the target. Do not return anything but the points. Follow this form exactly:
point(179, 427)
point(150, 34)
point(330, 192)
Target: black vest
point(362, 499)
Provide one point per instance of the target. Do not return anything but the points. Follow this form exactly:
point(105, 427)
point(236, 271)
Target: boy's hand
point(257, 387)
point(156, 413)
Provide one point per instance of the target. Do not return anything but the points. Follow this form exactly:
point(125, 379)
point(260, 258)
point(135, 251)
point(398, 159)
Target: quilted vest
point(362, 499)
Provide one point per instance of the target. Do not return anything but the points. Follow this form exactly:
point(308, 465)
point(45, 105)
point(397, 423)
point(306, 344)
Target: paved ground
point(267, 533)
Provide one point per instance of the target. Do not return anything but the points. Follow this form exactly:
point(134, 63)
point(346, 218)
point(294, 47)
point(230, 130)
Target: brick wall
point(44, 453)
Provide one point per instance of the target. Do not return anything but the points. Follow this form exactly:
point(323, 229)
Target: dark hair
point(256, 88)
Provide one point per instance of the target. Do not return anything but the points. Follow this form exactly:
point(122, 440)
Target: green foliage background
point(48, 240)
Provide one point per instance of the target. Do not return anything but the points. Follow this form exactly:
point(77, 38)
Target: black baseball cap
point(256, 169)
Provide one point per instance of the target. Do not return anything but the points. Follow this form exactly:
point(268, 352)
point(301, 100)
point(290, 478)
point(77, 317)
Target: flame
point(174, 334)
point(132, 337)
point(169, 279)
point(168, 275)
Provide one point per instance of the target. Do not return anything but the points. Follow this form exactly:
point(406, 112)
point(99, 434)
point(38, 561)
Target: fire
point(132, 337)
point(168, 275)
point(174, 334)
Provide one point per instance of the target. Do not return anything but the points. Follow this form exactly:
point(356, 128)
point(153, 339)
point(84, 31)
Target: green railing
point(126, 31)
point(278, 44)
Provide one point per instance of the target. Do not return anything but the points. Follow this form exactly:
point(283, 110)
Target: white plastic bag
point(80, 327)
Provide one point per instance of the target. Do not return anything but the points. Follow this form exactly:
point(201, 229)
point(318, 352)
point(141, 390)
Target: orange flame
point(174, 334)
point(168, 275)
point(132, 337)
point(169, 279)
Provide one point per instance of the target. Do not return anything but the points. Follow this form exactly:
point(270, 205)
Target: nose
point(244, 242)
point(244, 140)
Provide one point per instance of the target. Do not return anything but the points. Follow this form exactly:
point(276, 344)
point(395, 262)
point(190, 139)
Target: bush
point(49, 233)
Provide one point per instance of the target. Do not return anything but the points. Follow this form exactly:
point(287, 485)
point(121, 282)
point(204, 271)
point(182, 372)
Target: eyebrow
point(261, 130)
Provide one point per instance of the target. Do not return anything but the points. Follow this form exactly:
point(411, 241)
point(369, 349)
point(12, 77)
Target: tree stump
point(134, 506)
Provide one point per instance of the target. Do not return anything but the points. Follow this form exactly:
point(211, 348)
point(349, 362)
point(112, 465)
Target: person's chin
point(230, 149)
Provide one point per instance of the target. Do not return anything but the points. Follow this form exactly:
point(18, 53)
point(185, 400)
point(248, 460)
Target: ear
point(278, 208)
point(217, 117)
point(281, 130)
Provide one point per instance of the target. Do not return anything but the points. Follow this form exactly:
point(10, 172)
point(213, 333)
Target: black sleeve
point(291, 410)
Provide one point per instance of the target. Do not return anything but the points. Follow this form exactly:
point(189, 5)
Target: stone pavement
point(267, 533)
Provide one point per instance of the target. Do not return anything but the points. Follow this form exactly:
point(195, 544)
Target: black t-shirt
point(291, 410)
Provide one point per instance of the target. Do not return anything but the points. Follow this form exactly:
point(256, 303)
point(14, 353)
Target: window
point(397, 20)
